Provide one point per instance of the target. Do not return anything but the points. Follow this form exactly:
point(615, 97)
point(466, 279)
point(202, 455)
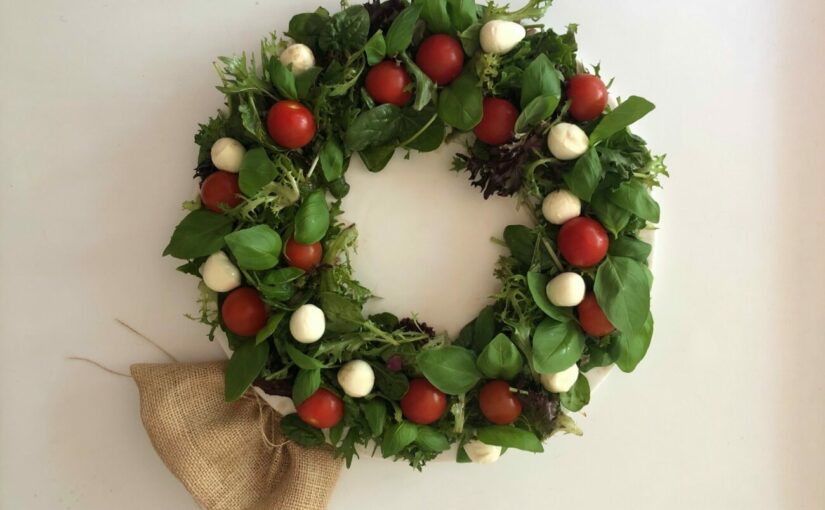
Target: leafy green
point(434, 13)
point(627, 246)
point(510, 437)
point(451, 369)
point(271, 326)
point(400, 34)
point(631, 110)
point(257, 247)
point(463, 13)
point(332, 160)
point(306, 383)
point(304, 434)
point(583, 179)
point(397, 437)
point(537, 110)
point(623, 291)
point(346, 31)
point(304, 28)
point(283, 79)
point(628, 349)
point(256, 171)
point(578, 396)
point(376, 48)
point(376, 158)
point(432, 440)
point(500, 359)
point(634, 196)
point(373, 127)
point(302, 360)
point(375, 412)
point(540, 79)
point(556, 346)
point(460, 103)
point(246, 363)
point(312, 219)
point(424, 86)
point(199, 234)
point(537, 283)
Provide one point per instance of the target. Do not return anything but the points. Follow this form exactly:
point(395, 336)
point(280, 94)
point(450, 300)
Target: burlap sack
point(230, 456)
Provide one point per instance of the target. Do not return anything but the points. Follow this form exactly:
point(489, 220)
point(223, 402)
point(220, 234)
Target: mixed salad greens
point(395, 77)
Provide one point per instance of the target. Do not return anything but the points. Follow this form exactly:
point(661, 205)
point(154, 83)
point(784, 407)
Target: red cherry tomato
point(583, 242)
point(498, 120)
point(593, 320)
point(323, 409)
point(499, 404)
point(303, 256)
point(387, 82)
point(243, 311)
point(423, 402)
point(220, 188)
point(290, 124)
point(588, 97)
point(441, 58)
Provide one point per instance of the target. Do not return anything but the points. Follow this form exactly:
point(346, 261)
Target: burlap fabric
point(229, 456)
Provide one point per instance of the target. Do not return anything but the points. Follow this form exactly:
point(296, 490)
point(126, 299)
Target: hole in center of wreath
point(424, 235)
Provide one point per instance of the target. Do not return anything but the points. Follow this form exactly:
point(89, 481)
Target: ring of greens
point(521, 335)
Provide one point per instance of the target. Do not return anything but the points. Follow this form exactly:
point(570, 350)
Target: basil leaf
point(613, 217)
point(373, 127)
point(463, 13)
point(556, 346)
point(460, 103)
point(385, 321)
point(397, 437)
point(421, 130)
point(376, 158)
point(623, 292)
point(500, 359)
point(304, 28)
point(199, 234)
point(634, 196)
point(375, 412)
point(399, 36)
point(537, 110)
point(628, 349)
point(434, 13)
point(540, 78)
point(632, 247)
point(451, 369)
point(510, 437)
point(305, 81)
point(303, 360)
point(465, 336)
point(312, 219)
point(256, 171)
point(343, 315)
point(277, 285)
point(596, 357)
point(193, 267)
point(578, 396)
point(376, 48)
point(585, 175)
point(424, 86)
point(247, 361)
point(484, 329)
point(302, 433)
point(631, 110)
point(469, 38)
point(306, 383)
point(522, 243)
point(282, 78)
point(270, 327)
point(332, 160)
point(432, 440)
point(256, 247)
point(393, 385)
point(347, 30)
point(537, 283)
point(335, 432)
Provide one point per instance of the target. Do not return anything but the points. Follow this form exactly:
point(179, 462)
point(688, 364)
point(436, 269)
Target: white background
point(98, 103)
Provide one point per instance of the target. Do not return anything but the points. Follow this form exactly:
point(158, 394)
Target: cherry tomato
point(387, 82)
point(290, 124)
point(583, 242)
point(423, 403)
point(303, 256)
point(593, 320)
point(220, 188)
point(243, 311)
point(499, 404)
point(441, 58)
point(323, 409)
point(588, 97)
point(498, 119)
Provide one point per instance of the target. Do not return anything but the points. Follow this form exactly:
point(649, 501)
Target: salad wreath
point(391, 77)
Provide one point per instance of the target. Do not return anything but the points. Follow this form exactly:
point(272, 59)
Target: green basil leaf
point(631, 110)
point(397, 437)
point(500, 359)
point(613, 217)
point(304, 28)
point(597, 357)
point(399, 36)
point(627, 246)
point(302, 360)
point(347, 30)
point(578, 396)
point(376, 158)
point(451, 369)
point(282, 275)
point(375, 412)
point(332, 160)
point(312, 218)
point(256, 171)
point(277, 284)
point(463, 13)
point(623, 292)
point(540, 78)
point(537, 110)
point(465, 336)
point(256, 248)
point(199, 234)
point(469, 38)
point(432, 440)
point(335, 432)
point(585, 175)
point(385, 321)
point(393, 385)
point(634, 196)
point(193, 267)
point(537, 283)
point(247, 361)
point(302, 433)
point(343, 315)
point(305, 81)
point(373, 127)
point(461, 456)
point(522, 243)
point(306, 383)
point(269, 329)
point(628, 349)
point(376, 48)
point(424, 86)
point(484, 329)
point(434, 13)
point(421, 130)
point(282, 78)
point(510, 437)
point(460, 103)
point(556, 346)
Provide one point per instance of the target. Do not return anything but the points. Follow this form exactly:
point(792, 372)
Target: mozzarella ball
point(307, 324)
point(356, 378)
point(560, 206)
point(219, 273)
point(566, 289)
point(227, 154)
point(499, 37)
point(482, 453)
point(299, 56)
point(560, 381)
point(567, 141)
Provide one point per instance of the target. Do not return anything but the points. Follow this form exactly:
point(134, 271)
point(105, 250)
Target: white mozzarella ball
point(567, 141)
point(299, 56)
point(356, 378)
point(307, 324)
point(482, 453)
point(219, 273)
point(560, 381)
point(227, 154)
point(560, 206)
point(499, 37)
point(566, 289)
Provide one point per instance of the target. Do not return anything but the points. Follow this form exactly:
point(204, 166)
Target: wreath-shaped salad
point(396, 77)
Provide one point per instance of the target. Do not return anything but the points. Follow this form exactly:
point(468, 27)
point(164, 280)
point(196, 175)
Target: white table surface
point(98, 103)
